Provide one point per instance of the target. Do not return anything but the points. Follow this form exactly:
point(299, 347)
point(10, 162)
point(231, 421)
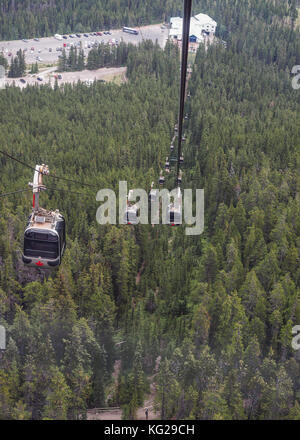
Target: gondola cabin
point(161, 180)
point(153, 195)
point(131, 216)
point(44, 239)
point(179, 178)
point(174, 211)
point(174, 217)
point(167, 165)
point(131, 213)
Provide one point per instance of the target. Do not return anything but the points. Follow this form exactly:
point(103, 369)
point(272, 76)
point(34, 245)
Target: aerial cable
point(184, 58)
point(143, 39)
point(17, 160)
point(65, 190)
point(44, 187)
point(51, 175)
point(15, 192)
point(72, 181)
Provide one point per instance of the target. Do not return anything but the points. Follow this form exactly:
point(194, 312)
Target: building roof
point(176, 22)
point(196, 25)
point(195, 29)
point(203, 19)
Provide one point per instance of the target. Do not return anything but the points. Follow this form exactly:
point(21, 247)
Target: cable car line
point(45, 232)
point(17, 160)
point(174, 211)
point(66, 190)
point(46, 187)
point(185, 47)
point(143, 39)
point(15, 192)
point(52, 176)
point(73, 181)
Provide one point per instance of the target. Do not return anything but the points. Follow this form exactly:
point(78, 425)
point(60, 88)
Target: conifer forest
point(207, 320)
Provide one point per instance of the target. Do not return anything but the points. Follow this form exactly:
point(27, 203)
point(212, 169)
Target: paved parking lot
point(41, 48)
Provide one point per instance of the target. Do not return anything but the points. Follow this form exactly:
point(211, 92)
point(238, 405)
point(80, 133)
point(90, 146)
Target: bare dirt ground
point(108, 413)
point(116, 413)
point(149, 404)
point(93, 75)
point(115, 74)
point(104, 415)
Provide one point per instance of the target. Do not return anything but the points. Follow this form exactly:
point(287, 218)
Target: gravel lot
point(48, 76)
point(41, 47)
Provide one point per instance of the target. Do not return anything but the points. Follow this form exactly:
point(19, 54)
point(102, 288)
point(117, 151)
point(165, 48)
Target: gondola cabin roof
point(43, 219)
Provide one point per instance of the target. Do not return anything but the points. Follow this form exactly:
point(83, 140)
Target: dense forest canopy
point(32, 18)
point(218, 309)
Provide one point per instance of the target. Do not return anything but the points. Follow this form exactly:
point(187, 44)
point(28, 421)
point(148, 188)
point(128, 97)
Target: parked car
point(78, 35)
point(36, 39)
point(85, 35)
point(39, 78)
point(59, 76)
point(22, 80)
point(65, 37)
point(99, 33)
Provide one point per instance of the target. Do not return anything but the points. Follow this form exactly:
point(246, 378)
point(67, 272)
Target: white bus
point(58, 37)
point(130, 30)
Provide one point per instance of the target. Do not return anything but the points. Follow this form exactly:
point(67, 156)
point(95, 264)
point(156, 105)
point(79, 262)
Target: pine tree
point(58, 397)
